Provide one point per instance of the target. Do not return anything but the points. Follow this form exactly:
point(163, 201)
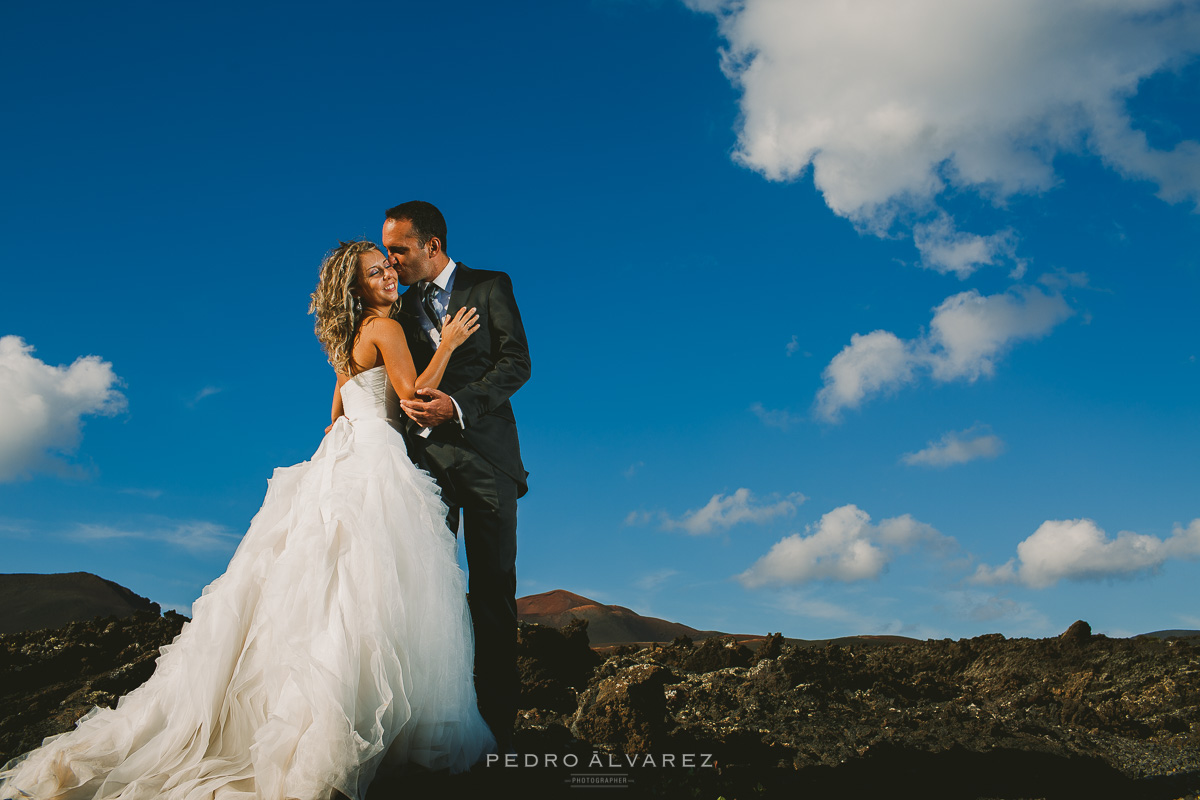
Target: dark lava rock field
point(1077, 716)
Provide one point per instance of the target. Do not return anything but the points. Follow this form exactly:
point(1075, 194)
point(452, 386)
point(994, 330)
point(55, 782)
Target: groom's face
point(411, 260)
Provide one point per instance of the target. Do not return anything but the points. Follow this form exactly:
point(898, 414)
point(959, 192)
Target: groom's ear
point(435, 246)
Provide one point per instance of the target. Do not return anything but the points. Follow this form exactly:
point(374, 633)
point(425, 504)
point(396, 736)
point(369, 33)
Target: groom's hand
point(434, 410)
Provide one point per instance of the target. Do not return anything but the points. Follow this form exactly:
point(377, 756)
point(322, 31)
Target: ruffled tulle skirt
point(338, 641)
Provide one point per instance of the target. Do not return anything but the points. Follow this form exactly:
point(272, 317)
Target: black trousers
point(486, 498)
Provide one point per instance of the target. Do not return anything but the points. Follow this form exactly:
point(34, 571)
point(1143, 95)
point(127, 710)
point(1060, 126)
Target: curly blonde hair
point(334, 303)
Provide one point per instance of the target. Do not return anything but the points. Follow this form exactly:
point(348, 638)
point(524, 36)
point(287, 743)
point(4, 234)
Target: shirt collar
point(444, 278)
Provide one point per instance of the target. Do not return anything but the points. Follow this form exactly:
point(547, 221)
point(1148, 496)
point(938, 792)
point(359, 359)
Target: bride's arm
point(388, 336)
point(454, 332)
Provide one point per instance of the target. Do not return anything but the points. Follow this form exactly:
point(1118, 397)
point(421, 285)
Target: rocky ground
point(50, 678)
point(1078, 716)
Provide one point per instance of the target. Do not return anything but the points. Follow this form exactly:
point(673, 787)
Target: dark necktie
point(427, 302)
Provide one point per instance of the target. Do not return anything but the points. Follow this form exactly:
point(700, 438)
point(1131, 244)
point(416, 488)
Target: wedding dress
point(337, 641)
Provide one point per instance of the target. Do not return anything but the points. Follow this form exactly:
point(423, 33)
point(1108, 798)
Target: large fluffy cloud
point(41, 406)
point(892, 103)
point(968, 333)
point(843, 546)
point(1078, 549)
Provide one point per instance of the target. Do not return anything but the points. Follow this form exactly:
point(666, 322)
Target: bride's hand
point(455, 331)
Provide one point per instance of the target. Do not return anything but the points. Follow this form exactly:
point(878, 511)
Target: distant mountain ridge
point(610, 625)
point(32, 602)
point(1172, 634)
point(607, 625)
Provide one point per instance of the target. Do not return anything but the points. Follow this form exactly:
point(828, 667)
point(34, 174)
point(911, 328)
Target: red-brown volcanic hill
point(607, 625)
point(30, 602)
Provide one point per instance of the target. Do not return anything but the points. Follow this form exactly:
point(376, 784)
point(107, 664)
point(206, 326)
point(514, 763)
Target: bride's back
point(368, 395)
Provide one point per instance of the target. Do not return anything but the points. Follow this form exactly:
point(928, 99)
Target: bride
point(337, 641)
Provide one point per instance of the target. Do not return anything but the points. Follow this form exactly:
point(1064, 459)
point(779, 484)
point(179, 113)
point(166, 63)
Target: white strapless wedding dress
point(337, 641)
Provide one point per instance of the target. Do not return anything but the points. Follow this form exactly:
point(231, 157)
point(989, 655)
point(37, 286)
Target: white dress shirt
point(441, 300)
point(441, 303)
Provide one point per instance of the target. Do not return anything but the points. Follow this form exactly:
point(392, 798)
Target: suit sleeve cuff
point(458, 415)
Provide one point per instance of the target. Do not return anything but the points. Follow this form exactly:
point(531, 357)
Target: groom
point(465, 433)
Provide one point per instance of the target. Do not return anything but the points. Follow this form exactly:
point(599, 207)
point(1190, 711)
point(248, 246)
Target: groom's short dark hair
point(426, 220)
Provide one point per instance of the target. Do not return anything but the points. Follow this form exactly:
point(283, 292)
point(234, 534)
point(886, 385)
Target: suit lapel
point(408, 302)
point(410, 306)
point(409, 317)
point(463, 281)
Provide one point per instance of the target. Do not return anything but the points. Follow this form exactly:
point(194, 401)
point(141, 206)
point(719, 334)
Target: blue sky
point(844, 318)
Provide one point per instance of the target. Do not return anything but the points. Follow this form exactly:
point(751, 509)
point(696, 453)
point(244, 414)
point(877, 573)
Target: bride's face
point(377, 284)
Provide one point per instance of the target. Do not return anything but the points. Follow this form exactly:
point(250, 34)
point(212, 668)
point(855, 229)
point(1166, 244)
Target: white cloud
point(957, 447)
point(799, 603)
point(893, 104)
point(992, 611)
point(1061, 279)
point(774, 418)
point(653, 580)
point(592, 593)
point(14, 529)
point(945, 249)
point(793, 346)
point(722, 512)
point(633, 469)
point(970, 330)
point(152, 494)
point(966, 336)
point(979, 606)
point(1077, 549)
point(843, 546)
point(41, 406)
point(993, 608)
point(871, 363)
point(207, 391)
point(192, 535)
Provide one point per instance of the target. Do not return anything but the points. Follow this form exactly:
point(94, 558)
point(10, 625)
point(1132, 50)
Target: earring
point(358, 305)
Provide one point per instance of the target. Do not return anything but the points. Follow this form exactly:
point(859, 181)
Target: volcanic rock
point(1074, 716)
point(1067, 717)
point(50, 678)
point(554, 665)
point(1079, 633)
point(627, 709)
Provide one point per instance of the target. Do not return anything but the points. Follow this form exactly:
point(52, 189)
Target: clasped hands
point(435, 410)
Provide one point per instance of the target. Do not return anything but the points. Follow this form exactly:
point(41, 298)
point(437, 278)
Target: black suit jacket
point(484, 371)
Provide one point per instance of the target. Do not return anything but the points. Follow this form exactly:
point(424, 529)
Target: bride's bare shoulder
point(384, 336)
point(381, 328)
